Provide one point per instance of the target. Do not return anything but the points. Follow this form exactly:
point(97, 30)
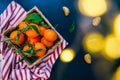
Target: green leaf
point(46, 26)
point(35, 28)
point(6, 39)
point(28, 54)
point(10, 46)
point(42, 23)
point(18, 35)
point(34, 18)
point(27, 51)
point(71, 28)
point(31, 51)
point(25, 28)
point(27, 43)
point(17, 51)
point(39, 50)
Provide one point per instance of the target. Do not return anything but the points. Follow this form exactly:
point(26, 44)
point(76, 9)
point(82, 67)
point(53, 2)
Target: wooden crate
point(29, 62)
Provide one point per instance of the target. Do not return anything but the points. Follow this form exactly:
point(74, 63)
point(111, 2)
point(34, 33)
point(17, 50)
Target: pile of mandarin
point(42, 40)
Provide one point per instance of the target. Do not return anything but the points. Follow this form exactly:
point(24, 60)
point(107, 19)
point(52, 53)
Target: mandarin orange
point(33, 40)
point(50, 35)
point(46, 42)
point(42, 30)
point(31, 32)
point(13, 36)
point(38, 46)
point(22, 24)
point(25, 48)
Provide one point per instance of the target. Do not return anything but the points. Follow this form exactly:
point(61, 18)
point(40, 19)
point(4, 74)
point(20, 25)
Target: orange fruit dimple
point(50, 35)
point(31, 32)
point(22, 24)
point(13, 36)
point(34, 40)
point(42, 30)
point(38, 46)
point(46, 42)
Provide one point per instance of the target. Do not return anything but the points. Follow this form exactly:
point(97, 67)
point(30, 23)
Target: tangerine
point(31, 32)
point(46, 42)
point(38, 46)
point(42, 30)
point(34, 40)
point(13, 36)
point(22, 24)
point(50, 35)
point(25, 48)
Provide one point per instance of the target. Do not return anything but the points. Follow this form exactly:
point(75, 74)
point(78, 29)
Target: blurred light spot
point(112, 47)
point(67, 55)
point(116, 75)
point(116, 25)
point(92, 8)
point(96, 21)
point(87, 58)
point(93, 42)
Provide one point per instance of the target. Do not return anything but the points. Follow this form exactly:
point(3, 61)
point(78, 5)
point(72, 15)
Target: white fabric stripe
point(46, 58)
point(23, 74)
point(48, 73)
point(56, 54)
point(6, 68)
point(8, 62)
point(48, 68)
point(18, 74)
point(42, 64)
point(15, 12)
point(52, 58)
point(13, 5)
point(35, 76)
point(19, 12)
point(13, 75)
point(28, 74)
point(36, 70)
point(49, 62)
point(4, 17)
point(17, 59)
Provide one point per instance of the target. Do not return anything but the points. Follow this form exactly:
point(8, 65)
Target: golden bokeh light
point(112, 47)
point(67, 55)
point(116, 25)
point(93, 42)
point(92, 8)
point(116, 75)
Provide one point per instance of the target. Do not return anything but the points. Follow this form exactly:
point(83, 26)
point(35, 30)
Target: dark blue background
point(52, 9)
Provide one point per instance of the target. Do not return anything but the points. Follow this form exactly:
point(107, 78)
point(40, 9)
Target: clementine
point(31, 32)
point(50, 35)
point(25, 48)
point(46, 42)
point(42, 30)
point(22, 24)
point(13, 36)
point(38, 46)
point(33, 40)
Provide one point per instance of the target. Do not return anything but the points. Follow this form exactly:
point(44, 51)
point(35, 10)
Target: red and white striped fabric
point(12, 71)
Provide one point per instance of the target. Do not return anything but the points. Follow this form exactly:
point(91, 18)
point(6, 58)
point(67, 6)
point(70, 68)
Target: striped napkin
point(12, 71)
